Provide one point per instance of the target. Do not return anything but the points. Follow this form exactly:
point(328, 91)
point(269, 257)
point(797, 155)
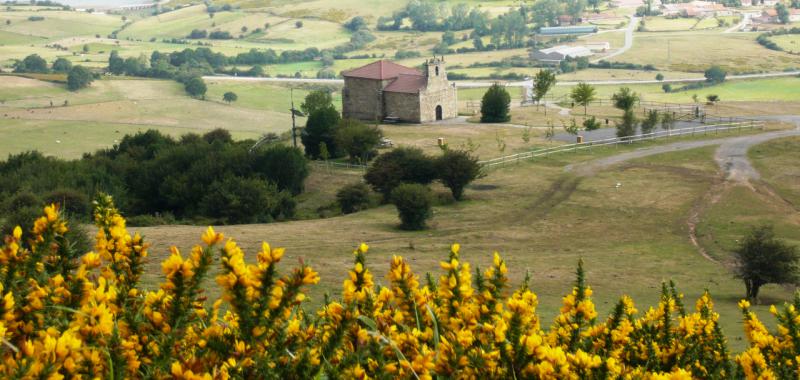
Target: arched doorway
point(438, 112)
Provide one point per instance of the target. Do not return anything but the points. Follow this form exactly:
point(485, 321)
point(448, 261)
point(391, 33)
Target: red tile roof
point(406, 83)
point(380, 70)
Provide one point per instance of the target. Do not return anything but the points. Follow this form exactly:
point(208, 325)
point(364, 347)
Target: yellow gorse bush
point(65, 314)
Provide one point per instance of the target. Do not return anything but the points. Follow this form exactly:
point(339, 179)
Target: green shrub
point(456, 169)
point(321, 127)
point(358, 140)
point(401, 165)
point(353, 197)
point(495, 105)
point(413, 202)
point(79, 77)
point(74, 203)
point(591, 124)
point(245, 200)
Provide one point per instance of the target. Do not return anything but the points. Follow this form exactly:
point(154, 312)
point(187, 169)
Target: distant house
point(695, 9)
point(562, 30)
point(568, 20)
point(385, 90)
point(556, 54)
point(770, 16)
point(755, 3)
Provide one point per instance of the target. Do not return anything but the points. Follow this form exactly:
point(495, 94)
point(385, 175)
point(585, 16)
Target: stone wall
point(444, 97)
point(361, 99)
point(403, 106)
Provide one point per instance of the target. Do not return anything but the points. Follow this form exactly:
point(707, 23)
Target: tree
point(763, 259)
point(495, 105)
point(667, 121)
point(298, 24)
point(783, 13)
point(356, 23)
point(357, 139)
point(31, 64)
point(196, 87)
point(456, 169)
point(353, 197)
point(625, 99)
point(79, 77)
point(715, 74)
point(666, 87)
point(321, 128)
point(401, 165)
point(413, 202)
point(712, 98)
point(627, 127)
point(543, 81)
point(85, 48)
point(62, 65)
point(545, 12)
point(229, 97)
point(116, 65)
point(650, 122)
point(659, 77)
point(583, 94)
point(316, 100)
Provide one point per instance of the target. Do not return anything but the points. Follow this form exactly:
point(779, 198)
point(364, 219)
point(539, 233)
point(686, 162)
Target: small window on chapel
point(437, 71)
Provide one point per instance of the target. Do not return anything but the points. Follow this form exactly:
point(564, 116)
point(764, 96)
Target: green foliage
point(659, 77)
point(666, 87)
point(74, 203)
point(583, 94)
point(353, 197)
point(246, 200)
point(357, 139)
point(715, 74)
point(196, 87)
point(413, 202)
point(650, 121)
point(667, 121)
point(79, 77)
point(763, 259)
point(152, 174)
point(316, 100)
point(627, 127)
point(62, 65)
point(591, 124)
point(356, 23)
point(783, 13)
point(401, 165)
point(543, 81)
point(456, 169)
point(31, 64)
point(625, 99)
point(712, 98)
point(230, 97)
point(321, 128)
point(116, 65)
point(495, 105)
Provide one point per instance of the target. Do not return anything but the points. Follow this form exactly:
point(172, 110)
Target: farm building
point(385, 90)
point(560, 30)
point(755, 3)
point(696, 9)
point(556, 54)
point(770, 16)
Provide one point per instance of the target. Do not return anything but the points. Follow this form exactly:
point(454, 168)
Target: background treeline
point(158, 179)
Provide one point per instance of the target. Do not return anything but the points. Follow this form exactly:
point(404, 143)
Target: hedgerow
point(70, 314)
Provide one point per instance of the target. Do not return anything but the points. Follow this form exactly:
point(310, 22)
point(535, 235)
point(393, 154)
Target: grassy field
point(541, 223)
point(788, 42)
point(777, 163)
point(697, 50)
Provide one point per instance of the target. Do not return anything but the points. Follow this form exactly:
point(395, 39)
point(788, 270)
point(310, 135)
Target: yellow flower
point(210, 237)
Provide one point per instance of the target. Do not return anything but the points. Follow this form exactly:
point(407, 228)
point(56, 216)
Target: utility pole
point(295, 113)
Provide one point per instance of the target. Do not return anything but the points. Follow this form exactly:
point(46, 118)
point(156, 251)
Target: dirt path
point(731, 156)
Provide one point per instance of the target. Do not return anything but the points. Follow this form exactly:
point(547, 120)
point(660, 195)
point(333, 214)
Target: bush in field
point(236, 200)
point(31, 64)
point(591, 124)
point(321, 128)
point(353, 197)
point(414, 205)
point(360, 141)
point(79, 77)
point(495, 105)
point(230, 97)
point(68, 313)
point(62, 65)
point(456, 169)
point(196, 87)
point(401, 165)
point(763, 259)
point(627, 127)
point(650, 122)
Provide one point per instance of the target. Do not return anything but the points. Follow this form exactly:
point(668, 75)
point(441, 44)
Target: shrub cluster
point(68, 314)
point(191, 178)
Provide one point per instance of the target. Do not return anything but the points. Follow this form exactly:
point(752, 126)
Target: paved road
point(628, 40)
point(738, 27)
point(484, 84)
point(731, 155)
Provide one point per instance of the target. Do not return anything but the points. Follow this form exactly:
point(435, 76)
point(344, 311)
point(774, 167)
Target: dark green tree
point(357, 139)
point(353, 197)
point(543, 81)
point(413, 202)
point(316, 100)
point(715, 74)
point(196, 87)
point(62, 65)
point(116, 65)
point(31, 64)
point(650, 121)
point(495, 105)
point(401, 165)
point(79, 77)
point(456, 169)
point(230, 97)
point(763, 259)
point(627, 127)
point(783, 13)
point(321, 127)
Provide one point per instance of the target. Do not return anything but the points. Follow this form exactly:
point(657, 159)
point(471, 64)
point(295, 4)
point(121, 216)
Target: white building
point(556, 54)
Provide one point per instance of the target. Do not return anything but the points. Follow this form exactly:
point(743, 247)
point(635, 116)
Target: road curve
point(628, 40)
point(731, 155)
